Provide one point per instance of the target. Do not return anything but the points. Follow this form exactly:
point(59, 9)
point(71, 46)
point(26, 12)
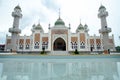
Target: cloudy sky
point(72, 11)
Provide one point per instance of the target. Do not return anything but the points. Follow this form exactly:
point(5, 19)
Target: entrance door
point(59, 45)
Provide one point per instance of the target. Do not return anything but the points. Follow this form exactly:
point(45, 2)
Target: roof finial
point(69, 26)
point(101, 2)
point(80, 20)
point(59, 13)
point(49, 26)
point(38, 21)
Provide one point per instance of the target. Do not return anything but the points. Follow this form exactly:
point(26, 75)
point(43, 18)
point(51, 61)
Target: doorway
point(59, 45)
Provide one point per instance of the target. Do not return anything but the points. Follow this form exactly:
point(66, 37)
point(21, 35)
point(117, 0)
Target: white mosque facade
point(59, 37)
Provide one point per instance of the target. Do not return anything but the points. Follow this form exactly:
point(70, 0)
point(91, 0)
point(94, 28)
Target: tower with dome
point(59, 37)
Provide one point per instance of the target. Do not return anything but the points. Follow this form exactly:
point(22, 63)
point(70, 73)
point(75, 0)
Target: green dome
point(33, 25)
point(38, 27)
point(80, 27)
point(85, 26)
point(59, 22)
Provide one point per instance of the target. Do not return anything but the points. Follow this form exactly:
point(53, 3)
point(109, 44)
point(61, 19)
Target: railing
point(106, 30)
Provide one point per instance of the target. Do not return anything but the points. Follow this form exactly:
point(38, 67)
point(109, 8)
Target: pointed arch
point(59, 44)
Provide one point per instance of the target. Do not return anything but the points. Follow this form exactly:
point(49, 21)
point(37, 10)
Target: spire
point(18, 4)
point(80, 20)
point(101, 3)
point(38, 21)
point(49, 26)
point(59, 20)
point(69, 26)
point(59, 13)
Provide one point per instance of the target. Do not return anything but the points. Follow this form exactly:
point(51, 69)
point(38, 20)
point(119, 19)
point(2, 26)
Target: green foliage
point(118, 48)
point(76, 51)
point(43, 52)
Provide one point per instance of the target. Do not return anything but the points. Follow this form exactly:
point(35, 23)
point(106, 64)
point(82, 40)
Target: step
point(59, 53)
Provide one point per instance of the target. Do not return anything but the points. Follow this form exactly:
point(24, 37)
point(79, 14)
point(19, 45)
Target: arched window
point(21, 46)
point(45, 45)
point(27, 46)
point(92, 46)
point(82, 45)
point(36, 45)
point(98, 46)
point(74, 45)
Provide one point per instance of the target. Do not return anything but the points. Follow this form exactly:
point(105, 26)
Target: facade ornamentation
point(59, 37)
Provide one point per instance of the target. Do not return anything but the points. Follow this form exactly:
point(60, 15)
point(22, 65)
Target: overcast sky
point(72, 11)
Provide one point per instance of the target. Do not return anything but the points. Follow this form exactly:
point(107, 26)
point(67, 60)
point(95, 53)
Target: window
point(36, 45)
point(92, 46)
point(27, 46)
point(21, 46)
point(82, 45)
point(45, 45)
point(74, 45)
point(105, 26)
point(98, 46)
point(71, 45)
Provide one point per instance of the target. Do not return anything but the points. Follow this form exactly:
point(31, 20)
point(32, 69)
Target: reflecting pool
point(59, 67)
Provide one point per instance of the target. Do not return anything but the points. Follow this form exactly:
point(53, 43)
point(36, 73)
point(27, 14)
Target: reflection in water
point(50, 70)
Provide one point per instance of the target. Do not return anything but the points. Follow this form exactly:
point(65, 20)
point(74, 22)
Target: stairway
point(59, 53)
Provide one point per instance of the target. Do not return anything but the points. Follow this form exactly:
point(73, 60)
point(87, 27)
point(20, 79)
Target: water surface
point(59, 67)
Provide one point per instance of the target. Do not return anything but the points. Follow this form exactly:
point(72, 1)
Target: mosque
point(59, 36)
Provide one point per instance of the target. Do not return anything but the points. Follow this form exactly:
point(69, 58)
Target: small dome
point(38, 27)
point(102, 7)
point(86, 26)
point(17, 7)
point(59, 22)
point(33, 25)
point(80, 27)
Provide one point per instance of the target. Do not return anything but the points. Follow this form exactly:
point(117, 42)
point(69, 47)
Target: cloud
point(46, 11)
point(34, 15)
point(51, 4)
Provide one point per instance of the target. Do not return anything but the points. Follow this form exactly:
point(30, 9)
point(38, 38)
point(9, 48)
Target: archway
point(59, 44)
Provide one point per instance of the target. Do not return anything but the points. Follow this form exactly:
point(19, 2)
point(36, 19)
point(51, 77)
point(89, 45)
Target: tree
point(118, 48)
point(76, 51)
point(43, 51)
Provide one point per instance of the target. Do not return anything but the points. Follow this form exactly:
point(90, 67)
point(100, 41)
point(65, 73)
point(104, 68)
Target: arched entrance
point(59, 44)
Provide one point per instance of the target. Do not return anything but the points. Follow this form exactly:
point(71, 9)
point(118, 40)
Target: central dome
point(59, 22)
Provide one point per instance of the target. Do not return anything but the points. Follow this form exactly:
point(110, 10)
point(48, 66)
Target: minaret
point(104, 28)
point(16, 14)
